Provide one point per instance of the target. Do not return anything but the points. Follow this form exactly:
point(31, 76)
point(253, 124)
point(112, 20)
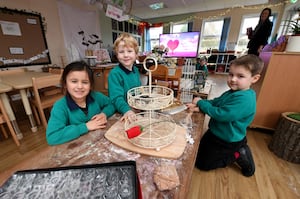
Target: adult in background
point(259, 36)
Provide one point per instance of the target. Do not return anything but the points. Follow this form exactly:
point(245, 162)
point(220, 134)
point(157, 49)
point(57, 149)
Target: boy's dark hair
point(251, 62)
point(202, 58)
point(77, 66)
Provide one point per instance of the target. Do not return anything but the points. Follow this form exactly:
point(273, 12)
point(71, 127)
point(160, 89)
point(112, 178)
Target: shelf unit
point(119, 27)
point(278, 89)
point(219, 62)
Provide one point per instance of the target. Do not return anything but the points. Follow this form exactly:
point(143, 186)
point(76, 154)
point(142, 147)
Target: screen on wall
point(183, 44)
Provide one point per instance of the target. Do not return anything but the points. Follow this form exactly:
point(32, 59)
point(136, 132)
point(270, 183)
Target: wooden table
point(22, 80)
point(94, 148)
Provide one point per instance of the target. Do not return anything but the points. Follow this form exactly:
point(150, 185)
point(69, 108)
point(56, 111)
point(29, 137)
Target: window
point(243, 38)
point(154, 36)
point(247, 22)
point(120, 27)
point(211, 35)
point(177, 28)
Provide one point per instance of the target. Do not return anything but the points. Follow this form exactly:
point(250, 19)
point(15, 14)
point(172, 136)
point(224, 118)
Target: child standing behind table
point(225, 141)
point(81, 110)
point(201, 65)
point(125, 76)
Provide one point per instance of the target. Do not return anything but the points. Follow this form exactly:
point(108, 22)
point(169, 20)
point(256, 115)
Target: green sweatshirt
point(203, 68)
point(231, 114)
point(67, 121)
point(120, 80)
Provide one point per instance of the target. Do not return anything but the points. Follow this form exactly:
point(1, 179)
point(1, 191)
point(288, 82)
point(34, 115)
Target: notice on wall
point(32, 21)
point(116, 13)
point(10, 28)
point(16, 51)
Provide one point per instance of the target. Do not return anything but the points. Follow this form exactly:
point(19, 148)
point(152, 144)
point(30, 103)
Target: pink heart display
point(173, 44)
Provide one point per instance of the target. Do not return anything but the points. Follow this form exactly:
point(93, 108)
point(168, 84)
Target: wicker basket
point(150, 97)
point(159, 130)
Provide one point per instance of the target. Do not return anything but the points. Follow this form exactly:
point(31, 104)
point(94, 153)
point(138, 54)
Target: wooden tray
point(116, 134)
point(75, 182)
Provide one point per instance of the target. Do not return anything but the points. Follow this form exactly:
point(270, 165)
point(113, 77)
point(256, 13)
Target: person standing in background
point(259, 36)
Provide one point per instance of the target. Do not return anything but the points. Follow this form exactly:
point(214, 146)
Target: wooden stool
point(285, 141)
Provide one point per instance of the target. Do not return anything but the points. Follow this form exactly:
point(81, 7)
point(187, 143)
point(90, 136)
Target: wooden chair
point(43, 100)
point(174, 81)
point(4, 119)
point(160, 75)
point(56, 70)
point(52, 89)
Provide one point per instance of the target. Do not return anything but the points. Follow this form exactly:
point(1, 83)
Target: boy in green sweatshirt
point(230, 114)
point(125, 76)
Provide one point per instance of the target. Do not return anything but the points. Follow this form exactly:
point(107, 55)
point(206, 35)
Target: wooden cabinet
point(100, 77)
point(279, 91)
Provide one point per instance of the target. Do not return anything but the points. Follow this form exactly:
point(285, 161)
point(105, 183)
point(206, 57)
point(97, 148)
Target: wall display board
point(22, 38)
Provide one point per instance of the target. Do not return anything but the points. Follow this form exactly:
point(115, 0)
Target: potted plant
point(294, 39)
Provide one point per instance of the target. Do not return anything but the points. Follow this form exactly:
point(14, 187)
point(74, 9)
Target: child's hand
point(193, 107)
point(129, 115)
point(196, 99)
point(100, 117)
point(97, 122)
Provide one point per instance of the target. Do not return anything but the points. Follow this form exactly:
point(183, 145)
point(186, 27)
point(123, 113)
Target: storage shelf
point(219, 62)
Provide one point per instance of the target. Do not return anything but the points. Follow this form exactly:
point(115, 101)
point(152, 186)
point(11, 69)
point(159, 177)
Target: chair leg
point(13, 133)
point(4, 132)
point(36, 115)
point(178, 95)
point(8, 122)
point(43, 118)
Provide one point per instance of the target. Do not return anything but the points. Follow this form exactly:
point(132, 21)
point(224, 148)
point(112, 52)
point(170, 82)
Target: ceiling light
point(157, 6)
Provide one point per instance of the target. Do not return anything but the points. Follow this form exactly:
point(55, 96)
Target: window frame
point(178, 24)
point(202, 36)
point(152, 39)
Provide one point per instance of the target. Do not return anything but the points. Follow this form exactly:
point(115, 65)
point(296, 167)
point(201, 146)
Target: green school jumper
point(231, 114)
point(120, 80)
point(68, 121)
